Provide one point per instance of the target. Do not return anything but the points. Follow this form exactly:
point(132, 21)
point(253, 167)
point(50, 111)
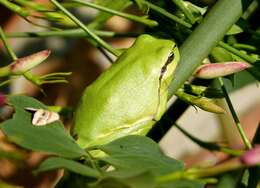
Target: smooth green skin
point(130, 96)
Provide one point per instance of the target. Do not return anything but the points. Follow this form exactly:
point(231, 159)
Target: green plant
point(135, 160)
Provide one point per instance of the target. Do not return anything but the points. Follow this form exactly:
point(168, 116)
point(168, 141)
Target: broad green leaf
point(139, 153)
point(110, 182)
point(53, 163)
point(141, 180)
point(183, 184)
point(51, 138)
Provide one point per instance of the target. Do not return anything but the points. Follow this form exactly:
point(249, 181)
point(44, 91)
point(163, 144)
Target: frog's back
point(124, 93)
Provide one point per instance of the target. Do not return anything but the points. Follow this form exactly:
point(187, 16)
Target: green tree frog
point(130, 96)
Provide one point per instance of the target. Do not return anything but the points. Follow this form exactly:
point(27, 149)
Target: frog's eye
point(43, 117)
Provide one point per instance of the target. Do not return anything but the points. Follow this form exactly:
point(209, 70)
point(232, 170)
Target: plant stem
point(235, 51)
point(247, 47)
point(69, 33)
point(15, 8)
point(200, 43)
point(230, 165)
point(209, 145)
point(98, 40)
point(234, 115)
point(4, 83)
point(197, 173)
point(145, 21)
point(184, 9)
point(167, 14)
point(7, 46)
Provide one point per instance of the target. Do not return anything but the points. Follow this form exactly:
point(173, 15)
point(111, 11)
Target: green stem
point(244, 47)
point(234, 115)
point(184, 9)
point(58, 74)
point(232, 164)
point(35, 80)
point(69, 33)
point(15, 8)
point(148, 22)
point(5, 71)
point(7, 46)
point(98, 40)
point(64, 33)
point(206, 36)
point(167, 14)
point(209, 145)
point(31, 4)
point(198, 173)
point(5, 83)
point(235, 51)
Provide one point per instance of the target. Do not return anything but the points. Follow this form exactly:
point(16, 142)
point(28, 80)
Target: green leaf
point(10, 155)
point(141, 180)
point(219, 54)
point(139, 153)
point(229, 180)
point(235, 29)
point(53, 163)
point(51, 138)
point(183, 184)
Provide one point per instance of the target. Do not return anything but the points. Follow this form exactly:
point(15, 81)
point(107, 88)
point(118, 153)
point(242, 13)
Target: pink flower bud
point(213, 70)
point(24, 64)
point(251, 157)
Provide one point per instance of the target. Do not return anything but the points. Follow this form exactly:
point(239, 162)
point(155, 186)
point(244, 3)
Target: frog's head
point(161, 55)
